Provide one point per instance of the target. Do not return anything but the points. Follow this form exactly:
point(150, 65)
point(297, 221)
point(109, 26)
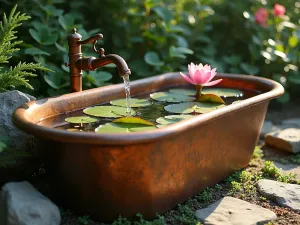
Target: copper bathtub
point(106, 175)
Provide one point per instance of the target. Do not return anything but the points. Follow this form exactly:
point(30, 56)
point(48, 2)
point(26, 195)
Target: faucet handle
point(93, 39)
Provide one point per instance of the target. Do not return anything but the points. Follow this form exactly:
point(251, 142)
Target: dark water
point(150, 113)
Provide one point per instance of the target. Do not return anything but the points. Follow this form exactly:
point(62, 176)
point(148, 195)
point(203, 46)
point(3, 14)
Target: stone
point(22, 204)
point(287, 139)
point(9, 101)
point(233, 211)
point(289, 168)
point(267, 127)
point(287, 195)
point(292, 122)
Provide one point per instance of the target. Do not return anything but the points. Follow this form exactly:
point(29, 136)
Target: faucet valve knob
point(101, 52)
point(67, 64)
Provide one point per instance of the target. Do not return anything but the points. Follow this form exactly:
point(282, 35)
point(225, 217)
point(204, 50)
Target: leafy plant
point(161, 36)
point(10, 157)
point(18, 75)
point(84, 220)
point(270, 170)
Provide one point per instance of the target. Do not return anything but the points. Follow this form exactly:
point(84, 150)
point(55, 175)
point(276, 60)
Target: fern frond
point(16, 76)
point(8, 34)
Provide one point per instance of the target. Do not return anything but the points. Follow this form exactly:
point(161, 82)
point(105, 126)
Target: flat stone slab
point(22, 204)
point(289, 168)
point(233, 211)
point(287, 195)
point(287, 139)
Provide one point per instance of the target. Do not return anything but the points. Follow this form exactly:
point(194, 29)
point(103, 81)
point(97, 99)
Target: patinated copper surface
point(106, 175)
point(77, 63)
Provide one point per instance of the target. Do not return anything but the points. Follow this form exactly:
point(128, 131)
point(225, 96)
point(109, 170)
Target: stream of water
point(127, 92)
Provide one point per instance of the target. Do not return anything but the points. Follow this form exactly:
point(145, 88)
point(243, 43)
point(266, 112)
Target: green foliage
point(18, 75)
point(160, 220)
point(162, 36)
point(258, 153)
point(84, 220)
point(270, 170)
point(10, 157)
point(186, 215)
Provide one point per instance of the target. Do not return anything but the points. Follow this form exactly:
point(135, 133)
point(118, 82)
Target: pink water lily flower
point(200, 76)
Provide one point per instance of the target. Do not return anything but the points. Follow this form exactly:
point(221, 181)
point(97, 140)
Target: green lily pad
point(107, 111)
point(80, 119)
point(171, 97)
point(123, 128)
point(172, 119)
point(135, 120)
point(189, 92)
point(134, 102)
point(223, 92)
point(190, 107)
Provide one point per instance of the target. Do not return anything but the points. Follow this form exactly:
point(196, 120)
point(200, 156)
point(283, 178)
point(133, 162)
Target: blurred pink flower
point(279, 10)
point(261, 16)
point(201, 75)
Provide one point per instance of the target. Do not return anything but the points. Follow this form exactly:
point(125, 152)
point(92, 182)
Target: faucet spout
point(77, 62)
point(92, 63)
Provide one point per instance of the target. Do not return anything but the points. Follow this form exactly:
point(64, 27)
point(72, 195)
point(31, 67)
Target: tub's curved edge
point(20, 120)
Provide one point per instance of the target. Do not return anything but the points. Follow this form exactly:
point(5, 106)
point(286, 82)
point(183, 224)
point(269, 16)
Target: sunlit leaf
point(134, 102)
point(293, 41)
point(171, 97)
point(80, 119)
point(107, 111)
point(123, 128)
point(211, 98)
point(172, 119)
point(135, 120)
point(193, 107)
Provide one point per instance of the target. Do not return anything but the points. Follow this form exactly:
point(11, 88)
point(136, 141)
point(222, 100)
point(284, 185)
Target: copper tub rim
point(20, 120)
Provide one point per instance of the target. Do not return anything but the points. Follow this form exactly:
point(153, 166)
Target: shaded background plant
point(162, 36)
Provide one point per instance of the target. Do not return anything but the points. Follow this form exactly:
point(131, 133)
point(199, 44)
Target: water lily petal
point(201, 77)
point(207, 68)
point(213, 82)
point(192, 69)
point(212, 74)
point(187, 78)
point(206, 77)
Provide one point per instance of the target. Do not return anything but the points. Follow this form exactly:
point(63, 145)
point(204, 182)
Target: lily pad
point(80, 119)
point(135, 120)
point(189, 92)
point(211, 98)
point(123, 128)
point(172, 119)
point(190, 107)
point(134, 102)
point(222, 92)
point(107, 111)
point(171, 97)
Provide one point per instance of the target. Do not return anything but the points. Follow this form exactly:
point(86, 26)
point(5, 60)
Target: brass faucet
point(77, 62)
